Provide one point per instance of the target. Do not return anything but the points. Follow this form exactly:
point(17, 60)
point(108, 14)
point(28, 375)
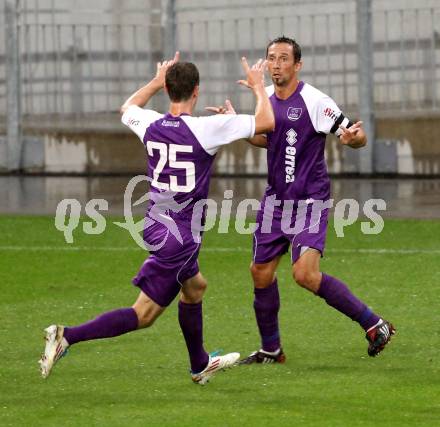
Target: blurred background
point(67, 66)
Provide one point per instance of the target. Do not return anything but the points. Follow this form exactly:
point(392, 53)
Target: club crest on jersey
point(294, 113)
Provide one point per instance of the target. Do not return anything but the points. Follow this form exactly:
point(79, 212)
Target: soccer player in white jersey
point(181, 149)
point(297, 182)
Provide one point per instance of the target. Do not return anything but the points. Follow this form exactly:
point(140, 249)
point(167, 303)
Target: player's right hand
point(226, 109)
point(162, 68)
point(255, 75)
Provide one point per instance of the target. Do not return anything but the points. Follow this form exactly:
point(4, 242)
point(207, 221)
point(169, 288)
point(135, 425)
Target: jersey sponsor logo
point(294, 113)
point(291, 137)
point(290, 156)
point(133, 122)
point(328, 112)
point(169, 123)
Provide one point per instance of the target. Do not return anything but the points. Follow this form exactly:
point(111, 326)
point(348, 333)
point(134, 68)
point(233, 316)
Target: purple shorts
point(304, 228)
point(164, 271)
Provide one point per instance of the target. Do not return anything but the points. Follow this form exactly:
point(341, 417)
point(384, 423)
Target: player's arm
point(133, 115)
point(258, 141)
point(215, 131)
point(328, 118)
point(141, 97)
point(228, 108)
point(264, 116)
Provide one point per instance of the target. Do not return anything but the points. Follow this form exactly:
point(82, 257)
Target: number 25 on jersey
point(168, 154)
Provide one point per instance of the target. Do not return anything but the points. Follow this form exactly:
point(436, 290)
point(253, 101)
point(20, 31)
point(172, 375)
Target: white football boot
point(56, 346)
point(215, 364)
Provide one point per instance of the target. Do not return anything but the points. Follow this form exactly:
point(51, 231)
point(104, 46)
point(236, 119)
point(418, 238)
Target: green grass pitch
point(142, 378)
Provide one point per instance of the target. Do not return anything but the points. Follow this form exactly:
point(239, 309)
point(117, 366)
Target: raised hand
point(254, 74)
point(353, 136)
point(143, 95)
point(226, 109)
point(162, 68)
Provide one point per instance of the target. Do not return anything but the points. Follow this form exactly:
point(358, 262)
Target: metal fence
point(68, 66)
point(78, 69)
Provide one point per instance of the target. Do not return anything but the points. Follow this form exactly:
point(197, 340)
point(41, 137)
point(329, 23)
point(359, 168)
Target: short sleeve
point(327, 115)
point(138, 119)
point(214, 131)
point(330, 117)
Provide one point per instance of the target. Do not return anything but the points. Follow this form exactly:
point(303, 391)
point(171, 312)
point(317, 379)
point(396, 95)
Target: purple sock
point(191, 323)
point(266, 306)
point(336, 294)
point(110, 324)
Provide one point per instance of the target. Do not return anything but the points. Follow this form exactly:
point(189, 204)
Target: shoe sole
point(47, 362)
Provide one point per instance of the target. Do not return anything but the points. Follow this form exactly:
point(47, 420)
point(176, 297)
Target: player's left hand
point(226, 109)
point(254, 74)
point(354, 136)
point(162, 68)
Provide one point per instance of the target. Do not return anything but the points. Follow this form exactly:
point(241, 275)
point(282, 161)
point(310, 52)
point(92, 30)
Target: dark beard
point(279, 81)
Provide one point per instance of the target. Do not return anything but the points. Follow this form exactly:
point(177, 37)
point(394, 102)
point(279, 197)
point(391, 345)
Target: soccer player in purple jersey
point(297, 172)
point(181, 149)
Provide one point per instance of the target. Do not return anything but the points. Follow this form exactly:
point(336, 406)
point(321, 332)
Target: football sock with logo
point(266, 306)
point(191, 323)
point(337, 295)
point(110, 324)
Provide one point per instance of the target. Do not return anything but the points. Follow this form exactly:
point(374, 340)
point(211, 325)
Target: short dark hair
point(296, 48)
point(181, 79)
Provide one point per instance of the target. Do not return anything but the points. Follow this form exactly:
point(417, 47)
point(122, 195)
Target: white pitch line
point(211, 249)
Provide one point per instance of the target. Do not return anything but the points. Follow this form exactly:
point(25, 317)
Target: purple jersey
point(180, 155)
point(181, 150)
point(295, 153)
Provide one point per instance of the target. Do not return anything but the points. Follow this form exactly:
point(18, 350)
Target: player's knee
point(145, 318)
point(193, 292)
point(261, 275)
point(200, 289)
point(306, 278)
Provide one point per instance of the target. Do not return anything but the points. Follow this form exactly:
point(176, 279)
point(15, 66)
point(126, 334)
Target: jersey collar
point(295, 92)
